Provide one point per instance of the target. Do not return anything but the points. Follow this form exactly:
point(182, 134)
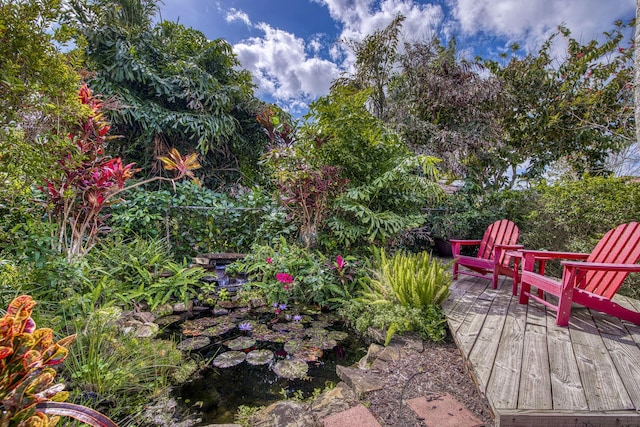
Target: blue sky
point(290, 46)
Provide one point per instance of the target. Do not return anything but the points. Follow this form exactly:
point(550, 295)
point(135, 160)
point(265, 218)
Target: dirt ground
point(437, 370)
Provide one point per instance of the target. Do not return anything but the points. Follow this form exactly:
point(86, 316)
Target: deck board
point(536, 373)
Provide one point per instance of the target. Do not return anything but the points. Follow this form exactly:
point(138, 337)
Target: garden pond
point(256, 355)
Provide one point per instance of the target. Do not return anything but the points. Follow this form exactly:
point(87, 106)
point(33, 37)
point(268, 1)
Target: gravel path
point(437, 370)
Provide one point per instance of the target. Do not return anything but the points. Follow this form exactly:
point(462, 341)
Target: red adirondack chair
point(587, 279)
point(492, 257)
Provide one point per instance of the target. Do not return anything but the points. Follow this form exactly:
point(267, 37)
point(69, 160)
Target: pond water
point(256, 357)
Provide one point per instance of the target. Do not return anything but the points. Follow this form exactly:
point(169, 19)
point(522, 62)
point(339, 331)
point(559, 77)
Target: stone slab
point(357, 416)
point(360, 381)
point(444, 411)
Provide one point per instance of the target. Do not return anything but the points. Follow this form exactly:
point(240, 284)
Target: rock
point(378, 335)
point(163, 310)
point(219, 311)
point(257, 302)
point(368, 359)
point(338, 399)
point(181, 306)
point(287, 413)
point(360, 381)
point(144, 316)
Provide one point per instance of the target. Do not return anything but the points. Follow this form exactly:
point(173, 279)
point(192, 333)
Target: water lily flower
point(282, 307)
point(297, 318)
point(244, 326)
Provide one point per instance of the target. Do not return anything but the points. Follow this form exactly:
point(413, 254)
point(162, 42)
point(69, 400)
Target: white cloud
point(531, 22)
point(237, 15)
point(281, 67)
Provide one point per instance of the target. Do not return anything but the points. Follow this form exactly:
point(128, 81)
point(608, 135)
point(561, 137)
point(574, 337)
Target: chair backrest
point(619, 246)
point(503, 232)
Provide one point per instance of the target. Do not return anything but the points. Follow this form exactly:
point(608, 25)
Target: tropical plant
point(414, 280)
point(115, 372)
point(388, 187)
point(402, 294)
point(179, 88)
point(289, 274)
point(89, 180)
point(28, 394)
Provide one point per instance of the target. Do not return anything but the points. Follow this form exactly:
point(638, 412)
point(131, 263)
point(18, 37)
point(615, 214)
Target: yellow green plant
point(415, 280)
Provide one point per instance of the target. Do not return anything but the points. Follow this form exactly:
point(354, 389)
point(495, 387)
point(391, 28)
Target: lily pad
point(195, 343)
point(240, 343)
point(288, 326)
point(291, 369)
point(229, 359)
point(294, 345)
point(259, 357)
point(309, 353)
point(316, 332)
point(319, 324)
point(324, 343)
point(217, 330)
point(338, 335)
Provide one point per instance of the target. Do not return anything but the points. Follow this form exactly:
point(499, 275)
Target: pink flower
point(284, 278)
point(269, 260)
point(340, 263)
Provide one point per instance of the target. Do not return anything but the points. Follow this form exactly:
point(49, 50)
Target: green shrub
point(290, 274)
point(404, 293)
point(574, 215)
point(199, 220)
point(114, 372)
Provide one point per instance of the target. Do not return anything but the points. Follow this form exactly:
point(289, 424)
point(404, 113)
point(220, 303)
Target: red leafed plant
point(89, 180)
point(28, 395)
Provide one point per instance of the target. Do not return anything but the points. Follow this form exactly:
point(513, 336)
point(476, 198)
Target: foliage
point(387, 186)
point(467, 213)
point(579, 110)
point(117, 373)
point(37, 94)
point(573, 216)
point(27, 357)
point(444, 107)
point(244, 413)
point(179, 88)
point(375, 59)
point(136, 270)
point(288, 274)
point(199, 220)
point(414, 280)
point(429, 322)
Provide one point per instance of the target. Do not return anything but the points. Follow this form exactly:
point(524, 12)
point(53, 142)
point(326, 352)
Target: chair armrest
point(530, 257)
point(601, 266)
point(508, 247)
point(547, 255)
point(465, 242)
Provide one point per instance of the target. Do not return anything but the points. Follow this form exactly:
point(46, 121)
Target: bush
point(198, 220)
point(574, 215)
point(117, 373)
point(290, 274)
point(404, 293)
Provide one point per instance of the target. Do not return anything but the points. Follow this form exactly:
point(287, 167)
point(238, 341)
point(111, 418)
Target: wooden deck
point(534, 373)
